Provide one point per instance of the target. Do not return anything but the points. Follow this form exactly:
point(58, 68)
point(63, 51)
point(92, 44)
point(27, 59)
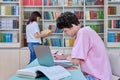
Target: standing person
point(33, 33)
point(88, 51)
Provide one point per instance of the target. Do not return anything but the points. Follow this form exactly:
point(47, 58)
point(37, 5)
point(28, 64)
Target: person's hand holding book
point(46, 32)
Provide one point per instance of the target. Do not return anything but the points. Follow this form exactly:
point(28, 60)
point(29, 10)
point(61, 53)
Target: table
point(76, 74)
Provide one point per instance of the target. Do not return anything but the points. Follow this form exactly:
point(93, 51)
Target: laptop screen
point(44, 55)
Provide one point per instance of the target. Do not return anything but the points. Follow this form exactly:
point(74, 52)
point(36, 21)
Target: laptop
point(44, 57)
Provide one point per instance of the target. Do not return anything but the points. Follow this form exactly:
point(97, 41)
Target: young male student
point(88, 51)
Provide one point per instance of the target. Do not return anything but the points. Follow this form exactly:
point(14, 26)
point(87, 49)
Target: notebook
point(44, 57)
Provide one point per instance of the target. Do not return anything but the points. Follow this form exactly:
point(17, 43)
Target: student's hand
point(69, 58)
point(59, 57)
point(46, 32)
point(75, 61)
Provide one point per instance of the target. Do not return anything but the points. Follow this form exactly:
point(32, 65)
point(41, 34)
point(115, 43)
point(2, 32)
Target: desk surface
point(76, 74)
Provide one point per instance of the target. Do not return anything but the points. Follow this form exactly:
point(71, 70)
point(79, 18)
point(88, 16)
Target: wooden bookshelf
point(113, 23)
point(10, 23)
point(51, 10)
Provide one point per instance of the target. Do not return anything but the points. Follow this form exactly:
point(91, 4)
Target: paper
point(62, 61)
point(53, 73)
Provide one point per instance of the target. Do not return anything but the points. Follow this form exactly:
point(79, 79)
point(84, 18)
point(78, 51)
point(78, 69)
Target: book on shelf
point(94, 14)
point(114, 24)
point(99, 2)
point(9, 10)
point(8, 37)
point(109, 23)
point(9, 23)
point(113, 37)
point(52, 73)
point(54, 29)
point(32, 2)
point(94, 2)
point(69, 42)
point(112, 10)
point(53, 42)
point(98, 28)
point(46, 32)
point(15, 37)
point(87, 14)
point(51, 15)
point(79, 14)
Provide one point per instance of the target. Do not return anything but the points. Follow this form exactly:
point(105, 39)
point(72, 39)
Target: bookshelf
point(51, 10)
point(10, 23)
point(90, 13)
point(28, 7)
point(94, 16)
point(113, 23)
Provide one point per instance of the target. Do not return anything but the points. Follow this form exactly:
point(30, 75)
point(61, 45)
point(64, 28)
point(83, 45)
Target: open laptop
point(44, 56)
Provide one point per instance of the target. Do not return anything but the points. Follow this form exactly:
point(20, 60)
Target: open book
point(52, 73)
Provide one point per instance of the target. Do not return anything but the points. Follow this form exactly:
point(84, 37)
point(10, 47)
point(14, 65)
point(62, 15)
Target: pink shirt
point(90, 49)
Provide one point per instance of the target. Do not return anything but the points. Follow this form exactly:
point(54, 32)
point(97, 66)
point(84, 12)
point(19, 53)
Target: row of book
point(28, 13)
point(112, 10)
point(113, 37)
point(8, 37)
point(79, 14)
point(98, 28)
point(61, 3)
point(113, 24)
point(32, 2)
point(50, 15)
point(94, 2)
point(69, 42)
point(51, 2)
point(54, 29)
point(9, 10)
point(9, 23)
point(94, 14)
point(114, 0)
point(56, 42)
point(8, 0)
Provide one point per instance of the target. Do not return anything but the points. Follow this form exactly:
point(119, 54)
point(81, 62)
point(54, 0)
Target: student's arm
point(75, 61)
point(44, 33)
point(37, 35)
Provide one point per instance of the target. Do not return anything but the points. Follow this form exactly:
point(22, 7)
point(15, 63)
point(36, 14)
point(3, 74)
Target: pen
point(56, 52)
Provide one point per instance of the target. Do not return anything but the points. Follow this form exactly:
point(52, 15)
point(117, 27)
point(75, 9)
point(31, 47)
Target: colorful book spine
point(111, 37)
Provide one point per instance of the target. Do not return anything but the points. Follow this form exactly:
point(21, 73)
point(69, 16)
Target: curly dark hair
point(66, 19)
point(34, 16)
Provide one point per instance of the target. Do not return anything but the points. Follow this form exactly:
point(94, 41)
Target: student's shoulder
point(85, 29)
point(35, 23)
